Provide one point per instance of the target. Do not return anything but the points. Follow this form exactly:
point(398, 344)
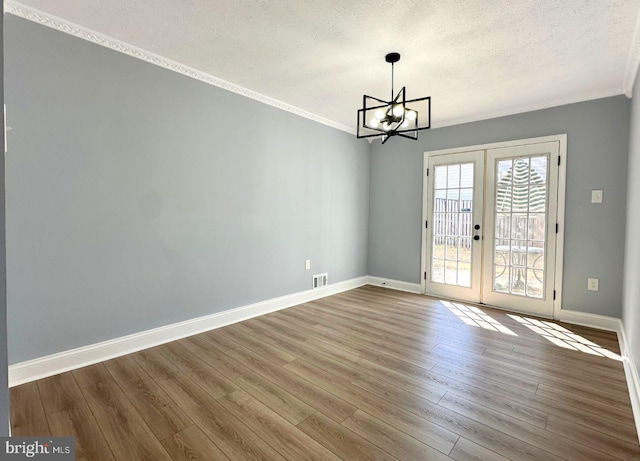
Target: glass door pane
point(491, 221)
point(454, 200)
point(452, 224)
point(520, 216)
point(519, 227)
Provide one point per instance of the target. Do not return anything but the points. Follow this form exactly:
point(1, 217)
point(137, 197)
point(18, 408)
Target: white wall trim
point(560, 220)
point(585, 319)
point(84, 33)
point(68, 27)
point(424, 250)
point(631, 373)
point(50, 365)
point(61, 362)
point(531, 108)
point(633, 60)
point(395, 284)
point(496, 145)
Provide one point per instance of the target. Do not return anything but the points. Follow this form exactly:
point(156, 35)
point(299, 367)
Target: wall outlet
point(307, 264)
point(592, 284)
point(596, 196)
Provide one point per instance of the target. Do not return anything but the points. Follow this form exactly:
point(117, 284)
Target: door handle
point(476, 227)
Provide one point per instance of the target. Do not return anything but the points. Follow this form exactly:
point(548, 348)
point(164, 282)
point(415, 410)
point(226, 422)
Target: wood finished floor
point(369, 374)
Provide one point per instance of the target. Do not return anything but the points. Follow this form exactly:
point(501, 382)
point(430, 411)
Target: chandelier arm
point(393, 117)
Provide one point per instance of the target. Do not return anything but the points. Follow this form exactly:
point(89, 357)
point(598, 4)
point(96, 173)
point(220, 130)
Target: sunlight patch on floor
point(473, 316)
point(562, 337)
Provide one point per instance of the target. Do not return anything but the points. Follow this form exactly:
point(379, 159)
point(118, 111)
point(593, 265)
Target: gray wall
point(597, 143)
point(137, 197)
point(4, 385)
point(631, 297)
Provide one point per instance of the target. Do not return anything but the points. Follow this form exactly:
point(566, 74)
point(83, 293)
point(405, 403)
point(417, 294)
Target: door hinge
point(557, 227)
point(426, 224)
point(427, 171)
point(559, 160)
point(554, 295)
point(425, 275)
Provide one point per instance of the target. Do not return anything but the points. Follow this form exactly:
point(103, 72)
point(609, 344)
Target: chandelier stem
point(392, 74)
point(381, 118)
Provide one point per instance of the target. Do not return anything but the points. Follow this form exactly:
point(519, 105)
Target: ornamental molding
point(39, 17)
point(633, 61)
point(62, 25)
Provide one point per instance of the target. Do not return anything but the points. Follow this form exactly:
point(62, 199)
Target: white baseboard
point(631, 373)
point(394, 284)
point(601, 322)
point(61, 362)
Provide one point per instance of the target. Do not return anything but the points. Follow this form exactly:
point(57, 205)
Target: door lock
point(476, 227)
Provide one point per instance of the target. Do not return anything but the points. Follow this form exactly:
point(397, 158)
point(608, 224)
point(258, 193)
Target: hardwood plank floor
point(369, 374)
point(68, 414)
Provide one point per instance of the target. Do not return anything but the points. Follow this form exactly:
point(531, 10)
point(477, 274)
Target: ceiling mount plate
point(392, 57)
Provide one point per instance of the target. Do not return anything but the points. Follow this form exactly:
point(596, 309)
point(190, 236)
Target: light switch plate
point(592, 284)
point(596, 196)
point(307, 264)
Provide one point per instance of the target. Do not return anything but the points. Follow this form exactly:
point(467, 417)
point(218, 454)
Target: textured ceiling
point(475, 58)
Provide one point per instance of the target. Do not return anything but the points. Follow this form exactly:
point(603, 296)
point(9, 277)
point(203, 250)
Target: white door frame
point(473, 292)
point(560, 212)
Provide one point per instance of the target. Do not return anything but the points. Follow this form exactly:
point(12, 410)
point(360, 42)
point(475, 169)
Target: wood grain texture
point(560, 446)
point(466, 450)
point(103, 455)
point(316, 397)
point(390, 439)
point(27, 412)
point(190, 366)
point(69, 415)
point(124, 429)
point(277, 432)
point(426, 431)
point(342, 441)
point(368, 374)
point(233, 437)
point(157, 409)
point(275, 397)
point(192, 445)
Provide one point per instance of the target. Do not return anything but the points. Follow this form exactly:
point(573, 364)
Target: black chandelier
point(397, 117)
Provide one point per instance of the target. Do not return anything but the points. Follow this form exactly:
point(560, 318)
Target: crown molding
point(68, 27)
point(633, 61)
point(529, 108)
point(32, 14)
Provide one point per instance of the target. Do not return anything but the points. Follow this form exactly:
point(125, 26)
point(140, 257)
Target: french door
point(491, 218)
